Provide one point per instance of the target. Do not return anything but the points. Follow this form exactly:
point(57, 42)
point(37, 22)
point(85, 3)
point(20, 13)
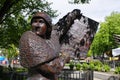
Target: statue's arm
point(54, 66)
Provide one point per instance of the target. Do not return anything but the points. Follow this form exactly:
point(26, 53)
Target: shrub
point(78, 66)
point(117, 70)
point(71, 64)
point(105, 68)
point(85, 66)
point(91, 66)
point(97, 62)
point(98, 68)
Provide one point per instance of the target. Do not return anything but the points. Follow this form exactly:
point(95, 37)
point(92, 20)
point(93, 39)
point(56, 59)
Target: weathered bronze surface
point(41, 56)
point(42, 50)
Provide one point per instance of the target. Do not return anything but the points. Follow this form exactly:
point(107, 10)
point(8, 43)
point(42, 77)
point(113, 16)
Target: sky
point(96, 9)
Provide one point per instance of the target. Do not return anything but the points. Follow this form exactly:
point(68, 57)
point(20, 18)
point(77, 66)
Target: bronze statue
point(40, 49)
point(44, 50)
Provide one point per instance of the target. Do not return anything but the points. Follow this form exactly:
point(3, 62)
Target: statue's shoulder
point(27, 33)
point(35, 50)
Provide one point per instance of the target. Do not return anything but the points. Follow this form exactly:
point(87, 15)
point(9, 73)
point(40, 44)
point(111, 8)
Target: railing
point(76, 75)
point(65, 75)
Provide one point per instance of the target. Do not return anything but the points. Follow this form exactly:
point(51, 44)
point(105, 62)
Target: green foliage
point(97, 63)
point(105, 68)
point(17, 19)
point(11, 32)
point(89, 54)
point(99, 66)
point(16, 69)
point(10, 53)
point(78, 66)
point(85, 66)
point(91, 66)
point(117, 70)
point(71, 64)
point(21, 70)
point(104, 40)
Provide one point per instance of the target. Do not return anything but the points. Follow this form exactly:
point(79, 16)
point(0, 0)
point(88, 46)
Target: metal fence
point(65, 75)
point(76, 75)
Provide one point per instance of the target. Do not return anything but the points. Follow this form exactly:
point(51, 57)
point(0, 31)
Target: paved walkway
point(105, 76)
point(97, 79)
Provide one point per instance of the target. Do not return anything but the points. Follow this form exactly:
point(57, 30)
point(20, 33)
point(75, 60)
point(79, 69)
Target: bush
point(91, 66)
point(85, 66)
point(98, 68)
point(117, 70)
point(78, 66)
point(105, 68)
point(71, 64)
point(98, 63)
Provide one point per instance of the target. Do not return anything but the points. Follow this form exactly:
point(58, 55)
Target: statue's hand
point(52, 67)
point(65, 57)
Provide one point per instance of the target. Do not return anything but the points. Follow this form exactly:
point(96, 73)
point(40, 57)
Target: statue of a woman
point(40, 49)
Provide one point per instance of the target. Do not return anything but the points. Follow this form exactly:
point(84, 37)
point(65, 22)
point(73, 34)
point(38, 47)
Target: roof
point(116, 52)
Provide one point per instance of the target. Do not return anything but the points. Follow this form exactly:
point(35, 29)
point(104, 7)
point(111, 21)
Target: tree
point(15, 18)
point(10, 7)
point(5, 7)
point(10, 53)
point(104, 40)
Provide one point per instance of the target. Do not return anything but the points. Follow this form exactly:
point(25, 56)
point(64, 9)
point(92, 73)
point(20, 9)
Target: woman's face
point(39, 26)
